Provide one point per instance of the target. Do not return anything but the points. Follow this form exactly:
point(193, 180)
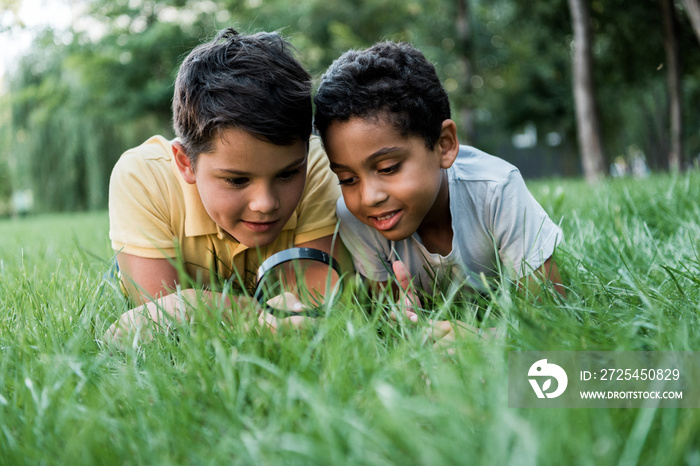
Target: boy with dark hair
point(242, 180)
point(414, 200)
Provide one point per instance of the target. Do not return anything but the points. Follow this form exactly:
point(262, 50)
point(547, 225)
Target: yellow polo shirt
point(154, 213)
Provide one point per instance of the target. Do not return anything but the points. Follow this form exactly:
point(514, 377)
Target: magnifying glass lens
point(300, 281)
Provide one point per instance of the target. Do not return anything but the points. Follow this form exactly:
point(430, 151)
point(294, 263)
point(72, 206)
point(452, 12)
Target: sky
point(36, 15)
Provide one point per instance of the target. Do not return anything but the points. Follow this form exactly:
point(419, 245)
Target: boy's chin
point(256, 241)
point(395, 235)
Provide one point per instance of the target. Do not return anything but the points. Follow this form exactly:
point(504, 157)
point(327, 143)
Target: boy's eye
point(237, 182)
point(289, 174)
point(346, 181)
point(389, 170)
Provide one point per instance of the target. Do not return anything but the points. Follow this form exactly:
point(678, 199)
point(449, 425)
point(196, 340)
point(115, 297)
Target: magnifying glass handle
point(282, 314)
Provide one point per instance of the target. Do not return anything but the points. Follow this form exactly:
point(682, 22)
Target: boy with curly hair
point(415, 201)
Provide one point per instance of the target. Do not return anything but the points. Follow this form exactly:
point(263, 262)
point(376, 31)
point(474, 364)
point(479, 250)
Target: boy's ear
point(448, 144)
point(183, 163)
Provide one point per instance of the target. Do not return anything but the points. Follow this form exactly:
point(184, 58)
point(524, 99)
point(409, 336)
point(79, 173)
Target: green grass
point(355, 389)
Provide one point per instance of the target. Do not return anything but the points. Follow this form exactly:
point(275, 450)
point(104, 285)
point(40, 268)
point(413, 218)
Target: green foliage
point(355, 388)
point(5, 174)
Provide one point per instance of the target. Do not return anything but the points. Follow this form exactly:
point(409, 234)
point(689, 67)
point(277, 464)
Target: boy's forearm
point(547, 274)
point(176, 307)
point(169, 310)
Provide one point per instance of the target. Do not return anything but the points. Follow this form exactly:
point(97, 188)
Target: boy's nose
point(264, 200)
point(373, 194)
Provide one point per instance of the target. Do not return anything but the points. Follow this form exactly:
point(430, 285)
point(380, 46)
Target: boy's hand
point(288, 302)
point(133, 328)
point(408, 299)
point(442, 333)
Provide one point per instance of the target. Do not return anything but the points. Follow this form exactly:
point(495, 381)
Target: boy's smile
point(391, 182)
point(386, 221)
point(249, 187)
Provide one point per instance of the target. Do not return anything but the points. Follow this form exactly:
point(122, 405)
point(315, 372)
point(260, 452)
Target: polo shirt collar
point(197, 220)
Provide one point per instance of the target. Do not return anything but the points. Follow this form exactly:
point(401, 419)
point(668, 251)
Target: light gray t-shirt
point(497, 224)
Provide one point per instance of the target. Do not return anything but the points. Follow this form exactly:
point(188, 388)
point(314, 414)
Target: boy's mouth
point(259, 227)
point(386, 220)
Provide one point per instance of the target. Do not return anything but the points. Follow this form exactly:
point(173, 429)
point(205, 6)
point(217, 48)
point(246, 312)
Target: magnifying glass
point(298, 281)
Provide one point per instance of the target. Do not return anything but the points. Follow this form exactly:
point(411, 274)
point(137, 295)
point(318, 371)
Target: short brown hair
point(251, 82)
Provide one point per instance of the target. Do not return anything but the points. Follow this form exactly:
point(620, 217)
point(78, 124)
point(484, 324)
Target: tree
point(675, 155)
point(463, 34)
point(587, 119)
point(692, 7)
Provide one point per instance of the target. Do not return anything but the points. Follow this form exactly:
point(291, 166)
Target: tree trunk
point(692, 7)
point(587, 119)
point(464, 39)
point(675, 155)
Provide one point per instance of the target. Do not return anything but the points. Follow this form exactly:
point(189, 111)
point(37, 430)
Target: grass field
point(354, 389)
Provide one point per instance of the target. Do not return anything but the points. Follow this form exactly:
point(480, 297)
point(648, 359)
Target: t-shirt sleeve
point(316, 211)
point(369, 250)
point(525, 235)
point(139, 215)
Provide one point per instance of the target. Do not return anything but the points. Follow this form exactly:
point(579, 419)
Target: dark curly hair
point(250, 82)
point(392, 80)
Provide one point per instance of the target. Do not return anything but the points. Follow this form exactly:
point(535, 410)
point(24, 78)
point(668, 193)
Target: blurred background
point(83, 80)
